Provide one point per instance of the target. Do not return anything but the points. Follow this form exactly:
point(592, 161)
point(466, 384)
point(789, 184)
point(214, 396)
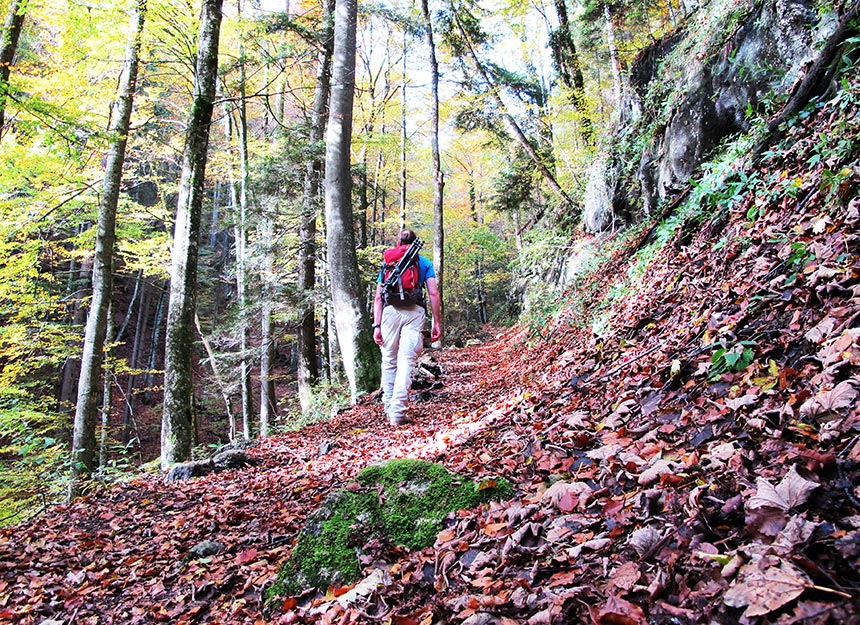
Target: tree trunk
point(510, 122)
point(86, 411)
point(360, 355)
point(438, 175)
point(242, 245)
point(613, 55)
point(107, 392)
point(177, 419)
point(403, 138)
point(12, 28)
point(308, 371)
point(154, 343)
point(268, 402)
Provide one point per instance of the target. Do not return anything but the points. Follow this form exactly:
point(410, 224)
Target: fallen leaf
point(837, 399)
point(567, 496)
point(763, 588)
point(246, 556)
point(644, 539)
point(617, 611)
point(791, 492)
point(625, 576)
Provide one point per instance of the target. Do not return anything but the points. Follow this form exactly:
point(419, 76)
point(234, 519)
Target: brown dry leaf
point(567, 496)
point(791, 492)
point(625, 576)
point(527, 538)
point(763, 587)
point(740, 402)
point(835, 400)
point(617, 611)
point(833, 351)
point(644, 539)
point(658, 469)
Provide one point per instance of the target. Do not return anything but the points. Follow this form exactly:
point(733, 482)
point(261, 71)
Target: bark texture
point(12, 28)
point(177, 419)
point(359, 352)
point(84, 455)
point(308, 370)
point(438, 175)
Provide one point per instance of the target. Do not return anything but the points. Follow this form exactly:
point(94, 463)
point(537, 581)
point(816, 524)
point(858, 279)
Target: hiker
point(398, 322)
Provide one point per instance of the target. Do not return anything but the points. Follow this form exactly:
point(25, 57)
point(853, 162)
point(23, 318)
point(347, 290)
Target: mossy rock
point(401, 501)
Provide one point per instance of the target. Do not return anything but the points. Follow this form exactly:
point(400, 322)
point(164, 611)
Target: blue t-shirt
point(425, 270)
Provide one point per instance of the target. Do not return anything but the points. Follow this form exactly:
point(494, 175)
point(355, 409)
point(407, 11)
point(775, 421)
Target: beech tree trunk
point(107, 390)
point(242, 245)
point(359, 352)
point(403, 138)
point(268, 401)
point(438, 175)
point(12, 28)
point(613, 55)
point(308, 370)
point(178, 416)
point(86, 411)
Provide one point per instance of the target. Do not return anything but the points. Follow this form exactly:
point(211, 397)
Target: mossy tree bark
point(84, 455)
point(360, 355)
point(9, 36)
point(177, 418)
point(308, 371)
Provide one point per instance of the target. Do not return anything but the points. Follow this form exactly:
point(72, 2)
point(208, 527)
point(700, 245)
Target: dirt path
point(118, 556)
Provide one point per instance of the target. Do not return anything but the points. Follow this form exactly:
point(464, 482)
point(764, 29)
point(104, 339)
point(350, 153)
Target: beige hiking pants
point(402, 343)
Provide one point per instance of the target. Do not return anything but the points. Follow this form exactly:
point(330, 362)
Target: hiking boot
point(401, 420)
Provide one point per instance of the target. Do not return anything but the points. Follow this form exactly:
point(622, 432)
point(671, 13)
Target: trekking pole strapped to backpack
point(393, 274)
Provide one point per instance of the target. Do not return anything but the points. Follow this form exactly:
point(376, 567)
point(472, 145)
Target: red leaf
point(246, 556)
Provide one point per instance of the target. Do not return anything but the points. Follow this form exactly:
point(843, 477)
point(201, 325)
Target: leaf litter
point(649, 487)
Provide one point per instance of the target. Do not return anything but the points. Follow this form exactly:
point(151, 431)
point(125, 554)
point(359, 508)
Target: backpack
point(401, 287)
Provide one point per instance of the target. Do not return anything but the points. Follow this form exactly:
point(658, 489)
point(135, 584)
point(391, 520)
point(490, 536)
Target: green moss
point(402, 502)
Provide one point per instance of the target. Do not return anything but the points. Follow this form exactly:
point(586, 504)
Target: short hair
point(406, 237)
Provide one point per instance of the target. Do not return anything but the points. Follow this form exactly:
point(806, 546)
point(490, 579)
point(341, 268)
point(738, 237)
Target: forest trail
point(118, 555)
point(693, 458)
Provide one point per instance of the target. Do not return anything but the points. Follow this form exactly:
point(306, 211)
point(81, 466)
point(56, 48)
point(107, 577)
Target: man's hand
point(436, 332)
point(377, 336)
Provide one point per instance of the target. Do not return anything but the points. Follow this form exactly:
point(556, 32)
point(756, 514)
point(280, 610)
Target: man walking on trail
point(398, 324)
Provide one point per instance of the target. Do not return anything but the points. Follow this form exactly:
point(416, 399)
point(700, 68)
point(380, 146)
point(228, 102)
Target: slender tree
point(403, 78)
point(9, 36)
point(177, 418)
point(268, 402)
point(511, 124)
point(569, 67)
point(360, 355)
point(86, 411)
point(308, 370)
point(438, 175)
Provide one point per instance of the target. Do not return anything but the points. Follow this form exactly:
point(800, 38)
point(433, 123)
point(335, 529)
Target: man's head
point(406, 237)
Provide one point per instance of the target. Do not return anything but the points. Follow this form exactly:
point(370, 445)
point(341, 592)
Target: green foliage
point(477, 277)
point(401, 501)
point(327, 399)
point(735, 357)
